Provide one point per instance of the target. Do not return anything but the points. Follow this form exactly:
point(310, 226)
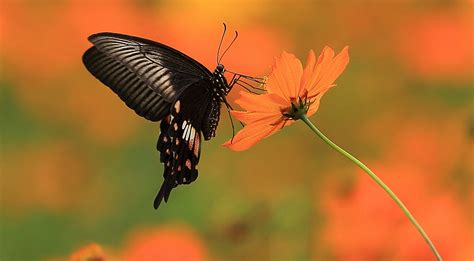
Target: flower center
point(299, 107)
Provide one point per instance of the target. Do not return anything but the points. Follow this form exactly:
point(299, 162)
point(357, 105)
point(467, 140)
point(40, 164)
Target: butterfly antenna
point(233, 40)
point(220, 43)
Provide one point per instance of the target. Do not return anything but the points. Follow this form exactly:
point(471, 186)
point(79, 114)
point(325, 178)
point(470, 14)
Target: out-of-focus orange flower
point(54, 35)
point(450, 229)
point(165, 244)
point(92, 252)
point(242, 11)
point(424, 144)
point(437, 146)
point(438, 44)
point(364, 224)
point(289, 87)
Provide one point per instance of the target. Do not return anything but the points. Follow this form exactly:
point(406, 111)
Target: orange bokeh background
point(79, 170)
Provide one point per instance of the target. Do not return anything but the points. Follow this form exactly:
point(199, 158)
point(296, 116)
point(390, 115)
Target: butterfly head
point(219, 69)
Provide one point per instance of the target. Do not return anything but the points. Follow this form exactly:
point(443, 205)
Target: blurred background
point(78, 166)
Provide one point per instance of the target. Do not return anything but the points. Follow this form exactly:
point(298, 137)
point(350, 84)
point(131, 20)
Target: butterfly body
point(162, 84)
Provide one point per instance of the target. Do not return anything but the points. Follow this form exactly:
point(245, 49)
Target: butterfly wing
point(146, 75)
point(180, 138)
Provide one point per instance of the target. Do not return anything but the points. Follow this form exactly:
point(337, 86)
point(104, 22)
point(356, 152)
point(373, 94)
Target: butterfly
point(163, 84)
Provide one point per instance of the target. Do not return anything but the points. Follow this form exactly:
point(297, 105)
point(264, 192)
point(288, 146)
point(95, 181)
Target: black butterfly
point(161, 83)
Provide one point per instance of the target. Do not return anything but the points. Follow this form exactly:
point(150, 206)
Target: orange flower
point(165, 243)
point(290, 90)
point(363, 225)
point(437, 44)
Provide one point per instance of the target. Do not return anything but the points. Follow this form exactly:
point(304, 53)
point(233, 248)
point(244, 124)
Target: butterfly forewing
point(165, 70)
point(146, 75)
point(127, 85)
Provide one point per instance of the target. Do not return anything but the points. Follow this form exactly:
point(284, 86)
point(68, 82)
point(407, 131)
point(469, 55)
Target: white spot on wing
point(193, 132)
point(184, 133)
point(188, 135)
point(177, 106)
point(187, 131)
point(191, 128)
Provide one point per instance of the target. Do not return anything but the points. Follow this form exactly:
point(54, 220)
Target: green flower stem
point(377, 180)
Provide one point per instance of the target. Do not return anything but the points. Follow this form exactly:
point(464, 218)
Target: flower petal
point(262, 102)
point(313, 70)
point(335, 68)
point(327, 70)
point(284, 80)
point(308, 69)
point(252, 117)
point(251, 134)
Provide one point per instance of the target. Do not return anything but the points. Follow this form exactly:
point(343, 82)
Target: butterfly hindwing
point(180, 139)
